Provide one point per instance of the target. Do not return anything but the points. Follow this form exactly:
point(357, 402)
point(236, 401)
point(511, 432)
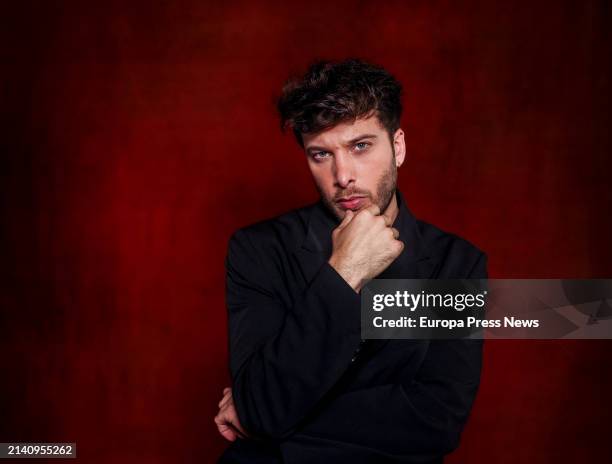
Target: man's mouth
point(353, 202)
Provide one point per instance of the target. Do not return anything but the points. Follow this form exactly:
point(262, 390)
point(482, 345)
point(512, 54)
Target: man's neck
point(392, 210)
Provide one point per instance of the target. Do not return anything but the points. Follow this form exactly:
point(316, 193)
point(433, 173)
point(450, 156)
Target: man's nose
point(344, 170)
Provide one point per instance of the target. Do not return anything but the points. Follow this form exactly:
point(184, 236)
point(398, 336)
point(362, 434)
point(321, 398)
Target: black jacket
point(305, 385)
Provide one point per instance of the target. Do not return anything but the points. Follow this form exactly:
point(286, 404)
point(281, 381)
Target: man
point(305, 387)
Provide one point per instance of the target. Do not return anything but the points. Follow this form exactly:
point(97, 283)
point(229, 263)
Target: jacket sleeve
point(419, 417)
point(284, 358)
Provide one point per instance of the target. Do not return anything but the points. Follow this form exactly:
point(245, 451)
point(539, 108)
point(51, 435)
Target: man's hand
point(227, 420)
point(364, 245)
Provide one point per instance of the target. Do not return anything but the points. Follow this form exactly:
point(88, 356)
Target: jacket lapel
point(316, 246)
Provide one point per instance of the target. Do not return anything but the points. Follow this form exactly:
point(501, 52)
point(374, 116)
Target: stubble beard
point(385, 189)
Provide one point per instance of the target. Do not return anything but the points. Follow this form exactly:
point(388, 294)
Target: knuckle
point(359, 217)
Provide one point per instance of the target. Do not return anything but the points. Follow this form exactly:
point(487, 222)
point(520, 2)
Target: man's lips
point(353, 202)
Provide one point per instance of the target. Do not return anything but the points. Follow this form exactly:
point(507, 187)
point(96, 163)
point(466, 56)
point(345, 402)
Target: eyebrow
point(347, 144)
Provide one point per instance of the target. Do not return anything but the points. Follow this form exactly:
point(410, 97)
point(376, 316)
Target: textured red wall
point(137, 137)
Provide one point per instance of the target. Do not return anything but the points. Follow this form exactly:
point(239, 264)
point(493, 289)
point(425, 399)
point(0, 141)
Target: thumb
point(346, 219)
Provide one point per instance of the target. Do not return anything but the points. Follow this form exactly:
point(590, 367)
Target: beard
point(385, 189)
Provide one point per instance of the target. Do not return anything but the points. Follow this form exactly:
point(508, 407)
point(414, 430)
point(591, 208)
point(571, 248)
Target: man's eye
point(361, 146)
point(320, 155)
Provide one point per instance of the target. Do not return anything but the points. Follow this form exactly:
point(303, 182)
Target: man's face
point(354, 164)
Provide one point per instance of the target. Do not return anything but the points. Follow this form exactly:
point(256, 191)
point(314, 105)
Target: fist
point(364, 245)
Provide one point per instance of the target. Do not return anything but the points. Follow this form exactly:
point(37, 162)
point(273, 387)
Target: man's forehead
point(344, 132)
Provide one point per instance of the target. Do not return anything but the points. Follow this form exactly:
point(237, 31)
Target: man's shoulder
point(438, 241)
point(287, 229)
point(449, 249)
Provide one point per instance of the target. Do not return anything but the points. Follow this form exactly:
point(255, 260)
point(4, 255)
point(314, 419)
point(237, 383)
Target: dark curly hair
point(333, 92)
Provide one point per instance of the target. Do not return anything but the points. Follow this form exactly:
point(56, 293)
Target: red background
point(137, 137)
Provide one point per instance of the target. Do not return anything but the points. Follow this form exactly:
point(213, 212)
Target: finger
point(224, 429)
point(227, 432)
point(348, 217)
point(230, 416)
point(374, 209)
point(395, 232)
point(226, 389)
point(388, 220)
point(224, 401)
point(401, 246)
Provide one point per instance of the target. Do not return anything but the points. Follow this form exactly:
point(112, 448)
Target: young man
point(305, 387)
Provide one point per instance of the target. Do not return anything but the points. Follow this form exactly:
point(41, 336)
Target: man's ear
point(400, 147)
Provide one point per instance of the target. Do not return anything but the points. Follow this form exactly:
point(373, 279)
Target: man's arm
point(284, 359)
point(421, 416)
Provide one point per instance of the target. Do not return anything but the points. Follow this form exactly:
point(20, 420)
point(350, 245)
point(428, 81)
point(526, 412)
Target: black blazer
point(305, 385)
